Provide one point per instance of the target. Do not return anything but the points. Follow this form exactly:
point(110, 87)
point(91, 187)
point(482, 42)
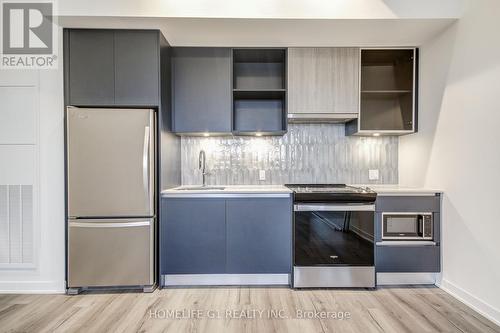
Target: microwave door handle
point(420, 231)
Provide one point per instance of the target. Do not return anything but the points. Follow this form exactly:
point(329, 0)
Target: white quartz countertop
point(383, 190)
point(189, 190)
point(395, 190)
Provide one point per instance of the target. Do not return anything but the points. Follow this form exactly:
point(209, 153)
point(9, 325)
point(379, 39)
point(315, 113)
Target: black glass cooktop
point(322, 193)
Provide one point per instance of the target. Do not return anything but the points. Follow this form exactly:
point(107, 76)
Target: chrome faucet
point(202, 167)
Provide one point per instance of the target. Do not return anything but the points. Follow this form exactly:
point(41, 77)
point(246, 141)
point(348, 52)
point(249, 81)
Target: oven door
point(333, 235)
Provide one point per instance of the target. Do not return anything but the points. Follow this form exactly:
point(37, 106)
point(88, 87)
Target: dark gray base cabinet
point(259, 236)
point(226, 236)
point(193, 236)
point(408, 258)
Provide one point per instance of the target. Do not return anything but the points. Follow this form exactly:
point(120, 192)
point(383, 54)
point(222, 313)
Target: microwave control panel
point(427, 223)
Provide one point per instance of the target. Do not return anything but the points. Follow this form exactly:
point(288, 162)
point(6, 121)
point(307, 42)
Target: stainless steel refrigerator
point(110, 197)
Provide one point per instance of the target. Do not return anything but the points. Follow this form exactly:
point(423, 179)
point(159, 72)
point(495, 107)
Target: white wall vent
point(16, 224)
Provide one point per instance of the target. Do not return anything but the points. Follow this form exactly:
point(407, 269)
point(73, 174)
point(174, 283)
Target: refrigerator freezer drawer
point(118, 252)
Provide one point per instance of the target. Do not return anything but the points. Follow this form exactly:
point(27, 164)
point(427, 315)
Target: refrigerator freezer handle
point(145, 162)
point(109, 224)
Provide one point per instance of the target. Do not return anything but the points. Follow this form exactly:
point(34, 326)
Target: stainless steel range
point(333, 236)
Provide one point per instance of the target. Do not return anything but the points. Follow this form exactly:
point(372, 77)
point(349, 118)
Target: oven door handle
point(333, 208)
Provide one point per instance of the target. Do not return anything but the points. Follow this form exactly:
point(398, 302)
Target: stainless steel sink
point(203, 188)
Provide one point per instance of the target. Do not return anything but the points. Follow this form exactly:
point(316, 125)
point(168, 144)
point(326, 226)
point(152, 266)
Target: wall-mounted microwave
point(407, 226)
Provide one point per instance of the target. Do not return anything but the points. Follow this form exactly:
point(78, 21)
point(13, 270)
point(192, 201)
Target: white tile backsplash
point(308, 153)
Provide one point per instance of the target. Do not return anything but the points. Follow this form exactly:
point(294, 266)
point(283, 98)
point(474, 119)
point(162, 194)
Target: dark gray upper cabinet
point(89, 61)
point(112, 67)
point(259, 235)
point(193, 236)
point(201, 90)
point(136, 67)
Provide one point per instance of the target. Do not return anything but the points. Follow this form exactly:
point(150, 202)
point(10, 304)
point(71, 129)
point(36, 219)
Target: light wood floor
point(381, 310)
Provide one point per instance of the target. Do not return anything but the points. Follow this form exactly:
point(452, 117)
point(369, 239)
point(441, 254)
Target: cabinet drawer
point(408, 204)
point(407, 259)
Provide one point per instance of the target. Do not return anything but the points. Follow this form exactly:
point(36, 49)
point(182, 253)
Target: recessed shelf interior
point(258, 69)
point(387, 78)
point(258, 75)
point(259, 91)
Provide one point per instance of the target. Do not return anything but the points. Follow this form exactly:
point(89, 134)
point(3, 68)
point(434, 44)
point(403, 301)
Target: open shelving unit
point(387, 92)
point(259, 91)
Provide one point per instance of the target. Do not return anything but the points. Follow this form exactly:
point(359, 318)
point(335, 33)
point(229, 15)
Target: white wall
point(42, 166)
point(457, 150)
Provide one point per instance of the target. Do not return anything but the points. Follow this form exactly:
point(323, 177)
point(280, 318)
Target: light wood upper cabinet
point(323, 80)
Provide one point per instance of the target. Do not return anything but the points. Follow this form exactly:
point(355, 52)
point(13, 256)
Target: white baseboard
point(475, 303)
point(32, 287)
point(388, 279)
point(224, 279)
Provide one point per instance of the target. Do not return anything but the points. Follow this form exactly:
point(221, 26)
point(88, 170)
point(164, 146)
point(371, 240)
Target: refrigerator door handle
point(145, 163)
